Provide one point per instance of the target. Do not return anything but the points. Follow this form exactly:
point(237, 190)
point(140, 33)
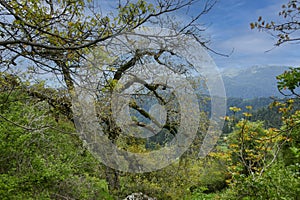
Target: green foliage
point(200, 194)
point(251, 149)
point(289, 80)
point(255, 103)
point(278, 182)
point(185, 179)
point(128, 12)
point(42, 158)
point(262, 163)
point(290, 128)
point(270, 117)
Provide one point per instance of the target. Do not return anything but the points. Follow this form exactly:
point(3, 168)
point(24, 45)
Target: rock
point(139, 196)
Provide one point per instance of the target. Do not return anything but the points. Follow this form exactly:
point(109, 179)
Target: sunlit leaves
point(133, 13)
point(235, 109)
point(289, 80)
point(250, 148)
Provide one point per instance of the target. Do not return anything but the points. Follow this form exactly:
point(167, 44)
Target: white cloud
point(248, 44)
point(252, 49)
point(271, 12)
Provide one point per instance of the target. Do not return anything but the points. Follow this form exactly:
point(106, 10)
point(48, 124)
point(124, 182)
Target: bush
point(42, 158)
point(278, 182)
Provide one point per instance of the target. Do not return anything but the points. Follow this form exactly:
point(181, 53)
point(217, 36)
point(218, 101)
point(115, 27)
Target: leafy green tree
point(278, 182)
point(289, 80)
point(262, 163)
point(250, 149)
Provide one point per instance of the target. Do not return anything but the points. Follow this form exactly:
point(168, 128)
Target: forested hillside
point(42, 156)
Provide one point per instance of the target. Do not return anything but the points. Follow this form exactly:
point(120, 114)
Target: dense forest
point(47, 48)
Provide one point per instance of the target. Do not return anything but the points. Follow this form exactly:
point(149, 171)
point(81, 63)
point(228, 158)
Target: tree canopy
point(56, 35)
point(61, 38)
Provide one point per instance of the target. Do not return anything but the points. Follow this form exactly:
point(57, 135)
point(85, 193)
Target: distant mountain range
point(252, 82)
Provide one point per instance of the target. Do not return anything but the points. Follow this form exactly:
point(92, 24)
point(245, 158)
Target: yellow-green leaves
point(235, 109)
point(133, 13)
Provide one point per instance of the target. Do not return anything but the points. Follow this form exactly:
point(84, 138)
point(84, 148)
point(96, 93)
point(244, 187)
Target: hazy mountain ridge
point(252, 82)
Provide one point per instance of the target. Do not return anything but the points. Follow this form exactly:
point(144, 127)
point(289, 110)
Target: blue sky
point(229, 30)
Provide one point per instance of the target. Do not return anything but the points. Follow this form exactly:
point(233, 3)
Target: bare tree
point(286, 31)
point(54, 35)
point(57, 37)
